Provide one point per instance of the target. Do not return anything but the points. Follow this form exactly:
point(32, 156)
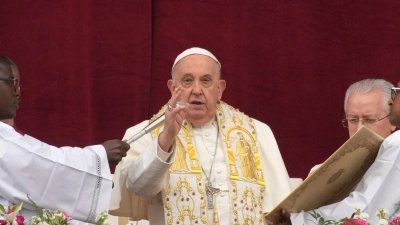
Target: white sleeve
point(277, 185)
point(147, 174)
point(144, 168)
point(377, 189)
point(75, 180)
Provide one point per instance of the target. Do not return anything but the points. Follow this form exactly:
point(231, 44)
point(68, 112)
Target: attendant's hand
point(115, 149)
point(174, 116)
point(285, 218)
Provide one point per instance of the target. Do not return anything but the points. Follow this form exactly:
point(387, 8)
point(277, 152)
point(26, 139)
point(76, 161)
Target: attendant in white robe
point(379, 187)
point(195, 152)
point(74, 180)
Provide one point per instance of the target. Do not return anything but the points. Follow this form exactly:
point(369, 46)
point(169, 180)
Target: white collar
point(212, 122)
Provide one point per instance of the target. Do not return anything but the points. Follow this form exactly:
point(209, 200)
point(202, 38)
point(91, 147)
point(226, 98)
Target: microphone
point(153, 125)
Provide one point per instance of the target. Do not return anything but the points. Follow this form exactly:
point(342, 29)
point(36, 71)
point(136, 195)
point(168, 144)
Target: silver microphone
point(153, 125)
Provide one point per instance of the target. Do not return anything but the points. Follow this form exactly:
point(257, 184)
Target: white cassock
point(147, 174)
point(74, 180)
point(379, 188)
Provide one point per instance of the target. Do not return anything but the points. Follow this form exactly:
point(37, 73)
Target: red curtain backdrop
point(91, 69)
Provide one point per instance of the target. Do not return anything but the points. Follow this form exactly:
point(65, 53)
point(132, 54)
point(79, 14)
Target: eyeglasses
point(393, 92)
point(11, 81)
point(352, 122)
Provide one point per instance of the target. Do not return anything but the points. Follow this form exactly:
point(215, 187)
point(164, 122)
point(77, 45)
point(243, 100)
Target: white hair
point(368, 85)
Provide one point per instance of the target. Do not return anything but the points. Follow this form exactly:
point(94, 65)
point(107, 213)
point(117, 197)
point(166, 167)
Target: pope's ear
point(221, 88)
point(171, 86)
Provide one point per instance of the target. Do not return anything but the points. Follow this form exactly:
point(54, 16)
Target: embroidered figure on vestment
point(186, 198)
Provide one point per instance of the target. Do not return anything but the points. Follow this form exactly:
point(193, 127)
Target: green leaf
point(17, 207)
point(321, 221)
point(2, 210)
point(39, 212)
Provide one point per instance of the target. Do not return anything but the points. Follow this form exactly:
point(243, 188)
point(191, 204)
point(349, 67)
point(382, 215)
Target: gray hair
point(368, 85)
point(8, 61)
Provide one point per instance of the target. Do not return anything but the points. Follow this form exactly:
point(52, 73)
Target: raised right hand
point(174, 117)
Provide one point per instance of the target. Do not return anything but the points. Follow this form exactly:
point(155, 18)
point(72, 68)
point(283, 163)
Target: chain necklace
point(210, 190)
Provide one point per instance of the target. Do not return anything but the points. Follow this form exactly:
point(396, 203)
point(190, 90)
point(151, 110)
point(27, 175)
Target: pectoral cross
point(210, 192)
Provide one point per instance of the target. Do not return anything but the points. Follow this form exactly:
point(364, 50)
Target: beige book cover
point(335, 178)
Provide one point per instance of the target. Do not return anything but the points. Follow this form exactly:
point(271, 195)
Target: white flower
point(382, 213)
point(364, 216)
point(36, 219)
point(43, 223)
point(383, 222)
point(101, 218)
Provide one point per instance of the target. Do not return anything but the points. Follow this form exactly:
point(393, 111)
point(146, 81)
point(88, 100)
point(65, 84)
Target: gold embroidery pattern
point(248, 210)
point(234, 195)
point(247, 153)
point(261, 203)
point(203, 204)
point(250, 204)
point(180, 164)
point(184, 201)
point(244, 167)
point(167, 206)
point(194, 162)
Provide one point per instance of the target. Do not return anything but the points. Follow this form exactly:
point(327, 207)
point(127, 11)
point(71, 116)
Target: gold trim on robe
point(185, 200)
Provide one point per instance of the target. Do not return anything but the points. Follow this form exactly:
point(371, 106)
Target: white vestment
point(379, 188)
point(74, 180)
point(145, 172)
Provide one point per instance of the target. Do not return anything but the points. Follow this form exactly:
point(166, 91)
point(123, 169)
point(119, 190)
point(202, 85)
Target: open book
point(335, 178)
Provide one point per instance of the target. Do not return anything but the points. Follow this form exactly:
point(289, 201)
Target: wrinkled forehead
point(196, 65)
point(195, 51)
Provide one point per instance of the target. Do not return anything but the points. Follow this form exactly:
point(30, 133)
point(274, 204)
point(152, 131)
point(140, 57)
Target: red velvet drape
point(91, 69)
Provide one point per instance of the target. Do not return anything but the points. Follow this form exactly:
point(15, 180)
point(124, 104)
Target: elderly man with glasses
point(366, 104)
point(379, 187)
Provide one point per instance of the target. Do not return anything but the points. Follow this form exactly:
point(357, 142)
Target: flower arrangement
point(44, 217)
point(101, 219)
point(360, 218)
point(47, 217)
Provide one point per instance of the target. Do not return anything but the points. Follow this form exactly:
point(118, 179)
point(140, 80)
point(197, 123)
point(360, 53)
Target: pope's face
point(202, 88)
point(368, 105)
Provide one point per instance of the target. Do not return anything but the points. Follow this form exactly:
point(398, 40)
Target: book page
point(335, 178)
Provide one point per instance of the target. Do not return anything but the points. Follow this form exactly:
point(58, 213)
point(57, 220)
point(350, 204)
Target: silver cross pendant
point(210, 192)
